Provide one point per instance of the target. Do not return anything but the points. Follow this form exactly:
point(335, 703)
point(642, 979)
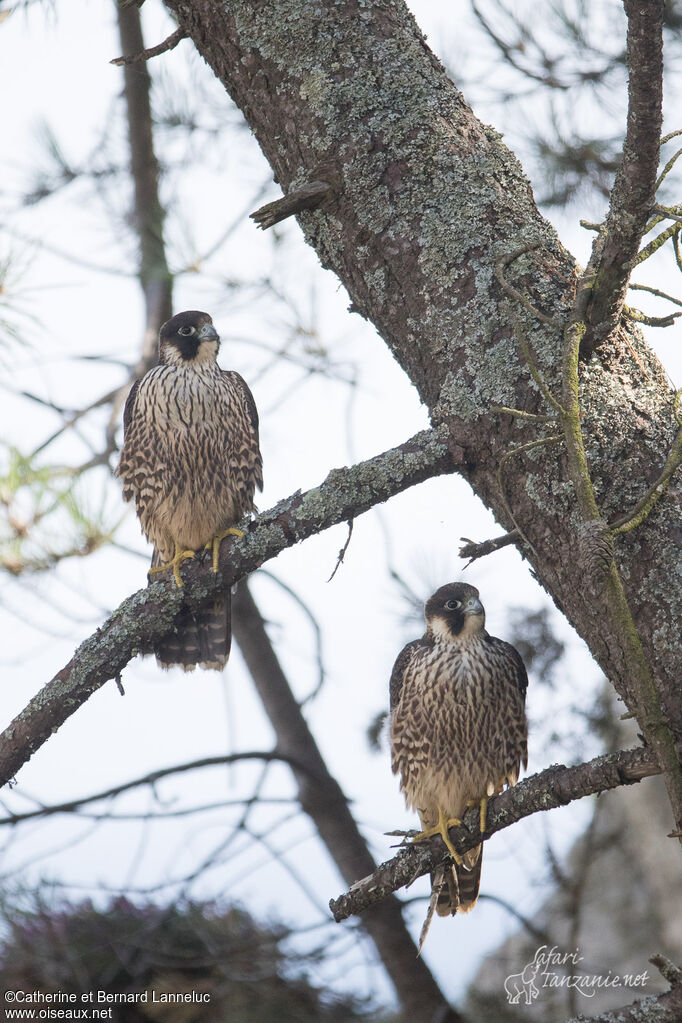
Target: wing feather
point(398, 673)
point(129, 407)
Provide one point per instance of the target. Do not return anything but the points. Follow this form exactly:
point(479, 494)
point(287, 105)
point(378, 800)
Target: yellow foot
point(441, 829)
point(178, 559)
point(214, 544)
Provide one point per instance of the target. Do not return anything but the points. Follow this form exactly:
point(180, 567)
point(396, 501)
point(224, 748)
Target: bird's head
point(454, 612)
point(188, 339)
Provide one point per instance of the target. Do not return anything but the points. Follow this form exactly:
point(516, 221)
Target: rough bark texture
point(427, 200)
point(666, 1008)
point(322, 799)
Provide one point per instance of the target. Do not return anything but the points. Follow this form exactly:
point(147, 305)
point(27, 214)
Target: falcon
point(191, 462)
point(457, 729)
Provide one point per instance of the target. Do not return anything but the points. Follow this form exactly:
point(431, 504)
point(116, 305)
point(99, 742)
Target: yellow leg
point(484, 813)
point(442, 829)
point(482, 804)
point(214, 544)
point(178, 559)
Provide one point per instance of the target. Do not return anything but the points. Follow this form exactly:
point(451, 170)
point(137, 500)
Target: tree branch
point(556, 786)
point(665, 1008)
point(308, 197)
point(169, 43)
point(634, 190)
point(73, 805)
point(473, 551)
point(144, 618)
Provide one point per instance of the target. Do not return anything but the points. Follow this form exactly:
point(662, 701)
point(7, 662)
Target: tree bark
point(426, 203)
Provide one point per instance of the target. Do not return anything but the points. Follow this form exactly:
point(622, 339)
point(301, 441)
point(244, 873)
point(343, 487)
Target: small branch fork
point(143, 619)
point(556, 786)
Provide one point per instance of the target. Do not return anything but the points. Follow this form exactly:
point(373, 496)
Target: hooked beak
point(208, 333)
point(473, 606)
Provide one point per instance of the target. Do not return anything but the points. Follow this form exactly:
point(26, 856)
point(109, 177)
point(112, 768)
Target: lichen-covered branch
point(556, 786)
point(664, 1008)
point(633, 193)
point(145, 617)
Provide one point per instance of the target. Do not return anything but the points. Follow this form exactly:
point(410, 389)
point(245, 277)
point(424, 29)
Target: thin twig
point(342, 553)
point(153, 51)
point(637, 316)
point(518, 413)
point(513, 292)
point(473, 551)
point(73, 805)
point(656, 292)
point(668, 214)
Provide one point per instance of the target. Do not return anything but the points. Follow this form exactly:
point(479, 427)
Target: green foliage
point(48, 515)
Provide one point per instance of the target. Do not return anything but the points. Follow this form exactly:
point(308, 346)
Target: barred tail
point(458, 885)
point(202, 639)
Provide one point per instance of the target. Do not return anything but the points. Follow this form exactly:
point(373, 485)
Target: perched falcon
point(458, 729)
point(191, 462)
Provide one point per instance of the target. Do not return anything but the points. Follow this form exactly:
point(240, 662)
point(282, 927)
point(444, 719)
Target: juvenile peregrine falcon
point(458, 729)
point(191, 462)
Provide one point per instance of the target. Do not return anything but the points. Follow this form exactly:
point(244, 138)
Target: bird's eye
point(452, 605)
point(186, 331)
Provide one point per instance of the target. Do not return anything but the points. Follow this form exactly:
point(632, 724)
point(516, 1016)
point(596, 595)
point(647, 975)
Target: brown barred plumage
point(457, 726)
point(191, 462)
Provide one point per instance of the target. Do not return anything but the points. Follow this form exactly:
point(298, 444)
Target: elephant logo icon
point(523, 983)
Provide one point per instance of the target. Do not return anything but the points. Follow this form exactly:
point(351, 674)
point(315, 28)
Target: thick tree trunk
point(425, 201)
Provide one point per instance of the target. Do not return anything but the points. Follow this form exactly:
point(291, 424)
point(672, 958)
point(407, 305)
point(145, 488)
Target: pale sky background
point(54, 70)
